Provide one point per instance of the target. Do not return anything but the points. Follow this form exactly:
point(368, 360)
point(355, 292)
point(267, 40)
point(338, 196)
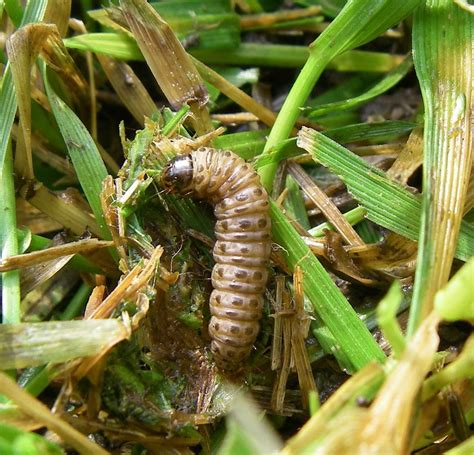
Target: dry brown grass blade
point(264, 114)
point(299, 332)
point(236, 118)
point(284, 366)
point(138, 277)
point(378, 149)
point(34, 408)
point(58, 13)
point(469, 194)
point(277, 325)
point(395, 256)
point(128, 87)
point(22, 48)
point(42, 152)
point(60, 207)
point(168, 61)
point(342, 263)
point(32, 278)
point(410, 159)
point(52, 253)
point(36, 221)
point(389, 425)
point(111, 193)
point(95, 300)
point(290, 331)
point(266, 19)
point(324, 203)
point(317, 424)
point(58, 58)
point(131, 286)
point(241, 98)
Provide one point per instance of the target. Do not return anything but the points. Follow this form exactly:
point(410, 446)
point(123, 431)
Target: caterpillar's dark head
point(177, 175)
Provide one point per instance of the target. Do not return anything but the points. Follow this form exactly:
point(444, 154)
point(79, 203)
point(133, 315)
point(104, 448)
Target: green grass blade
point(11, 295)
point(349, 133)
point(287, 56)
point(387, 318)
point(123, 47)
point(455, 301)
point(387, 203)
point(391, 79)
point(444, 56)
point(206, 31)
point(294, 203)
point(14, 11)
point(83, 151)
point(367, 131)
point(329, 303)
point(33, 13)
point(247, 144)
point(37, 343)
point(8, 234)
point(196, 23)
point(353, 216)
point(358, 22)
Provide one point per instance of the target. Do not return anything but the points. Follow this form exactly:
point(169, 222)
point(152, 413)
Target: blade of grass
point(83, 151)
point(387, 202)
point(14, 11)
point(267, 20)
point(128, 87)
point(9, 241)
point(58, 13)
point(35, 379)
point(171, 66)
point(204, 29)
point(359, 22)
point(348, 133)
point(325, 204)
point(8, 234)
point(288, 56)
point(123, 47)
point(368, 131)
point(455, 301)
point(444, 56)
point(77, 304)
point(387, 318)
point(353, 217)
point(327, 300)
point(391, 79)
point(467, 446)
point(294, 203)
point(196, 23)
point(460, 368)
point(37, 343)
point(22, 48)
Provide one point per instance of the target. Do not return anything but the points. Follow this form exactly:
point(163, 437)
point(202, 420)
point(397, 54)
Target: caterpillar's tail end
point(229, 359)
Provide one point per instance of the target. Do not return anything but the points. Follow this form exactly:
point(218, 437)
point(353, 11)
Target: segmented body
point(242, 249)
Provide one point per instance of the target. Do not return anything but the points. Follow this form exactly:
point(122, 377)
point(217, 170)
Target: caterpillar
point(242, 249)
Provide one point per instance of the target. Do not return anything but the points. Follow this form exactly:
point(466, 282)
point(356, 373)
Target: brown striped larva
point(242, 249)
